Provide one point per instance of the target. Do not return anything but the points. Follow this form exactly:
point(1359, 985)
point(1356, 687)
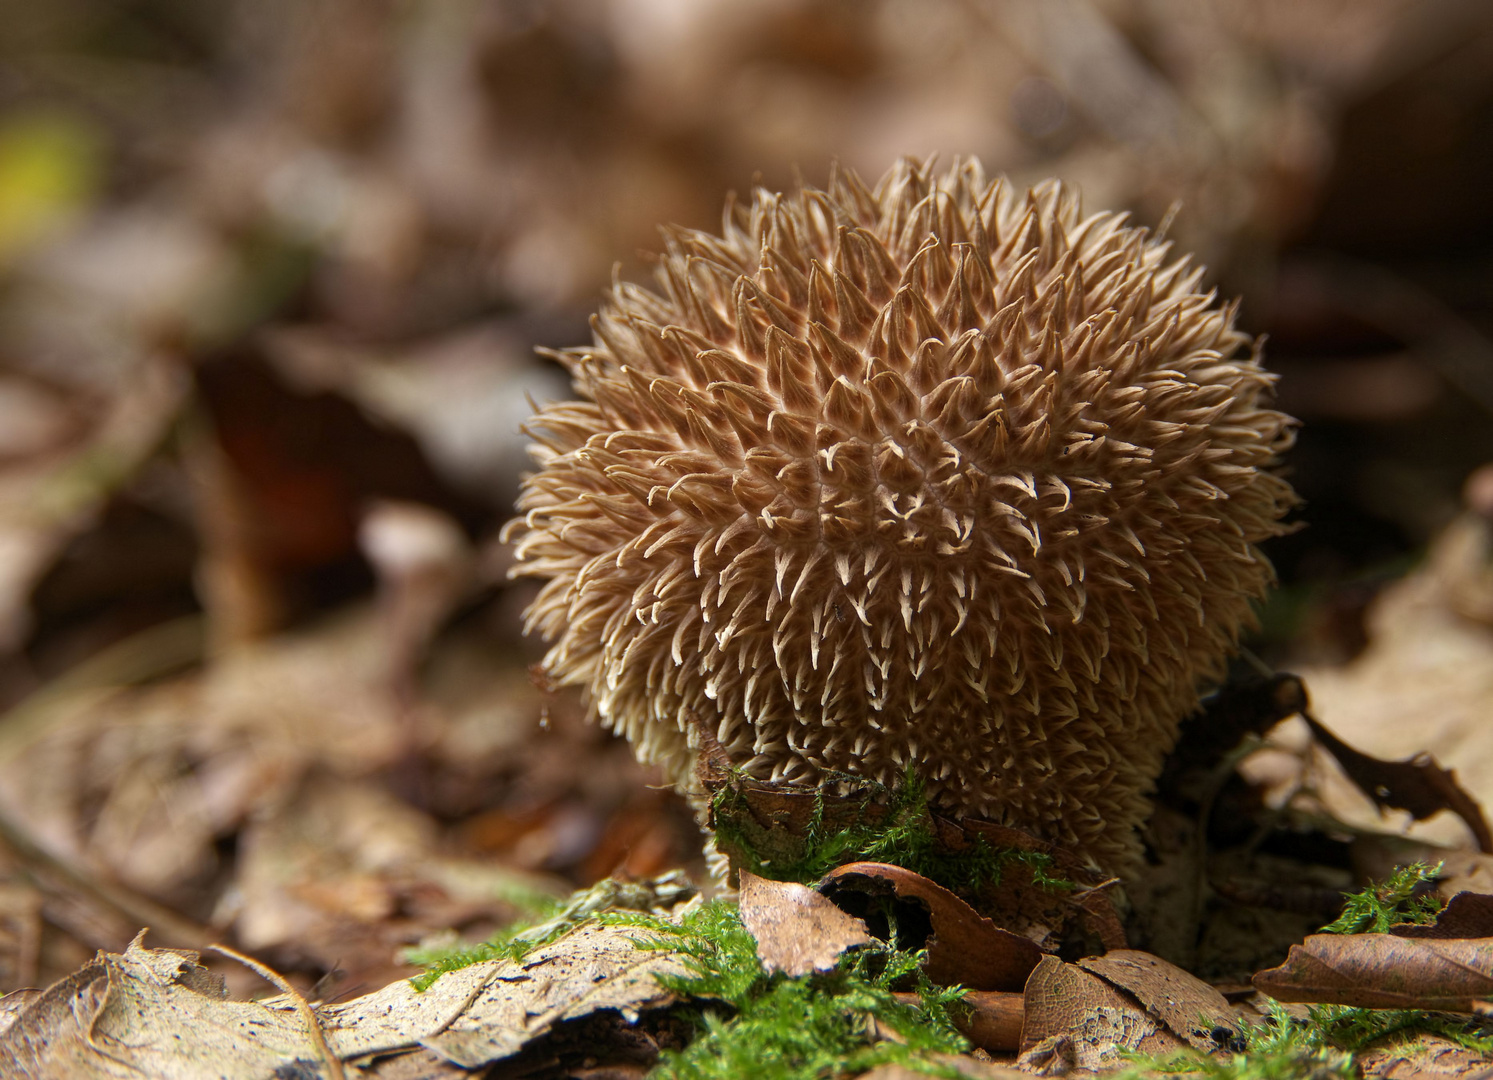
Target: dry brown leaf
point(46, 1034)
point(15, 1003)
point(1418, 784)
point(594, 968)
point(157, 1013)
point(798, 931)
point(1428, 1057)
point(1382, 971)
point(1466, 915)
point(1189, 1007)
point(1098, 1022)
point(965, 948)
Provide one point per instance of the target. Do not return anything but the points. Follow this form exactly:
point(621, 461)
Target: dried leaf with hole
point(1383, 971)
point(1189, 1007)
point(964, 947)
point(798, 931)
point(1099, 1022)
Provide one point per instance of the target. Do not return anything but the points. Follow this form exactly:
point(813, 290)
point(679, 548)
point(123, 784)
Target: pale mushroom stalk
point(940, 476)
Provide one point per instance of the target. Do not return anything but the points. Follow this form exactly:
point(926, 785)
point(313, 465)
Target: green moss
point(548, 919)
point(1327, 1040)
point(1375, 909)
point(511, 943)
point(773, 1027)
point(889, 826)
point(750, 1022)
point(1321, 1047)
point(1279, 1049)
point(1354, 1029)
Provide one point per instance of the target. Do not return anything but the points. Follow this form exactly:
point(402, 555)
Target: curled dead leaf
point(1384, 971)
point(994, 1020)
point(798, 931)
point(964, 947)
point(989, 1019)
point(1418, 784)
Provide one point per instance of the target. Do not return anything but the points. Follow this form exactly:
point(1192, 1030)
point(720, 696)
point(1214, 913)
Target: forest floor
point(271, 277)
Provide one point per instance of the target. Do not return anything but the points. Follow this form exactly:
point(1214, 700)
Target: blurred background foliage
point(271, 276)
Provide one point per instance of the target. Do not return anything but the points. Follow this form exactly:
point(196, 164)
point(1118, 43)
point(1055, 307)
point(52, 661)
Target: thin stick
point(465, 1005)
point(308, 1014)
point(44, 868)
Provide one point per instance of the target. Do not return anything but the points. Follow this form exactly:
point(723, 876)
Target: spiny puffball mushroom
point(941, 476)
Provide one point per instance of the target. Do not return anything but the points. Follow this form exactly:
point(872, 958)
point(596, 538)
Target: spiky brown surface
point(940, 474)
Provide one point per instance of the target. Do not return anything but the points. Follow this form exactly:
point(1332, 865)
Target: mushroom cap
point(940, 476)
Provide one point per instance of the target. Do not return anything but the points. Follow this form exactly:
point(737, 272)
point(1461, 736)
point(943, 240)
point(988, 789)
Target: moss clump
point(879, 825)
point(750, 1022)
point(1401, 898)
point(773, 1027)
point(1352, 1029)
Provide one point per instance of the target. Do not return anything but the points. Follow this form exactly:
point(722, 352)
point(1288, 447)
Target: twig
point(471, 997)
point(1216, 781)
point(150, 654)
point(1458, 351)
point(1106, 77)
point(136, 909)
point(308, 1014)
